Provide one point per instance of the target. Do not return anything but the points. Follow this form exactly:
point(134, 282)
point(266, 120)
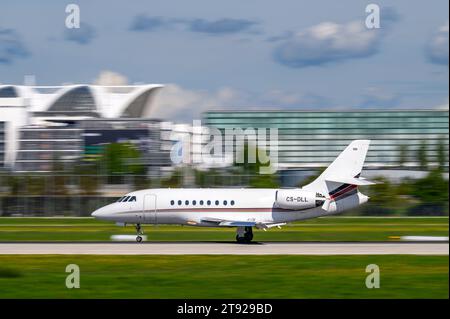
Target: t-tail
point(342, 178)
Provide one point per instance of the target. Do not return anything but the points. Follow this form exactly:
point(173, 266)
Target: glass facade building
point(45, 149)
point(144, 134)
point(308, 139)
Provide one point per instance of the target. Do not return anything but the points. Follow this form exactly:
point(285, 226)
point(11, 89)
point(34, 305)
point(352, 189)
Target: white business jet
point(334, 191)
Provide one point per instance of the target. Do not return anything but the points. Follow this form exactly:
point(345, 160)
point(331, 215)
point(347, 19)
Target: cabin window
point(194, 202)
point(172, 202)
point(225, 202)
point(186, 202)
point(208, 202)
point(217, 202)
point(232, 203)
point(201, 202)
point(179, 202)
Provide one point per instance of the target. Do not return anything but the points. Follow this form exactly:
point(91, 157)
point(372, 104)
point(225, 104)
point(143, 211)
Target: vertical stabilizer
point(345, 169)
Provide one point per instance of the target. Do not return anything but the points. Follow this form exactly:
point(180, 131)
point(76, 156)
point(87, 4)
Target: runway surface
point(203, 248)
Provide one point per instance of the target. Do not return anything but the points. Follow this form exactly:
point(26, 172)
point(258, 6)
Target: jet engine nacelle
point(296, 199)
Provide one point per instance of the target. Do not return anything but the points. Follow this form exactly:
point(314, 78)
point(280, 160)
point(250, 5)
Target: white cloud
point(437, 48)
point(292, 99)
point(443, 106)
point(378, 98)
point(179, 104)
point(328, 42)
point(110, 78)
point(175, 102)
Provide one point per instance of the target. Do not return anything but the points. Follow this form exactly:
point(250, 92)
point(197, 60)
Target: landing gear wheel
point(138, 233)
point(240, 240)
point(243, 240)
point(244, 235)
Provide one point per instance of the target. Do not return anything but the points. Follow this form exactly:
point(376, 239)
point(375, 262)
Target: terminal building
point(57, 147)
point(43, 127)
point(312, 139)
point(46, 148)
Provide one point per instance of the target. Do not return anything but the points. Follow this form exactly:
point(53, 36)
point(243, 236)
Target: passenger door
point(149, 210)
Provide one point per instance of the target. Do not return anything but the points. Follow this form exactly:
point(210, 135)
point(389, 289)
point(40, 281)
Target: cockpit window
point(120, 199)
point(125, 199)
point(132, 199)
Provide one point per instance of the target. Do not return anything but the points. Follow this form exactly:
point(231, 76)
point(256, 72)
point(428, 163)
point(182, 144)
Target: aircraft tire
point(244, 240)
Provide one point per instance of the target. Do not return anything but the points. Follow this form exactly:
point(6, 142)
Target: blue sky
point(246, 54)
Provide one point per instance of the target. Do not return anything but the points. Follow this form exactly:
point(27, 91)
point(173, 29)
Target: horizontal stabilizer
point(350, 180)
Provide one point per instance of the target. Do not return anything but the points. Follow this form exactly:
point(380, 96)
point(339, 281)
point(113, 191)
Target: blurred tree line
point(117, 163)
point(423, 196)
point(122, 163)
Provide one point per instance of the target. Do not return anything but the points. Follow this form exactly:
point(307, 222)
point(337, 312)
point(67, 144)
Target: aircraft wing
point(223, 222)
point(236, 223)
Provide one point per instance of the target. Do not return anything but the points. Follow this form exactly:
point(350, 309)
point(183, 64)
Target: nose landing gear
point(244, 234)
point(139, 233)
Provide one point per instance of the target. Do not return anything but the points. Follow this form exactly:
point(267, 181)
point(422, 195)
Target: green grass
point(197, 276)
point(320, 229)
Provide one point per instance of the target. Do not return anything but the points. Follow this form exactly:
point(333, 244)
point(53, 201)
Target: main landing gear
point(139, 232)
point(244, 234)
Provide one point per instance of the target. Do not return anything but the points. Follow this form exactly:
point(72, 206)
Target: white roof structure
point(22, 105)
point(82, 99)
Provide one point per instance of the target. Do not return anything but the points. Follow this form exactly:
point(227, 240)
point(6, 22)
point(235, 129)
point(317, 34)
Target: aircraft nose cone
point(101, 212)
point(104, 213)
point(95, 213)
